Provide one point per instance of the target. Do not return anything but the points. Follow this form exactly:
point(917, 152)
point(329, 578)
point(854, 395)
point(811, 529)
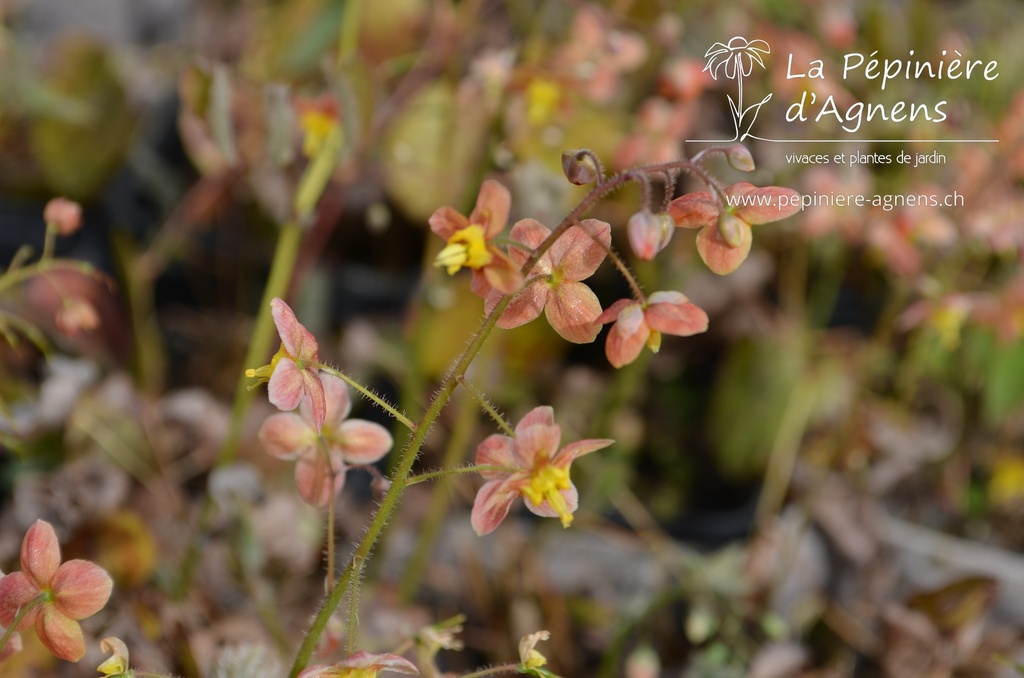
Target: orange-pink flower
point(294, 436)
point(469, 241)
point(637, 325)
point(13, 645)
point(554, 286)
point(59, 595)
point(725, 236)
point(530, 465)
point(362, 664)
point(293, 372)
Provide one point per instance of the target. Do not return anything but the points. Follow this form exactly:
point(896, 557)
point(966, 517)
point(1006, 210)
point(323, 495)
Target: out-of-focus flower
point(57, 596)
point(596, 55)
point(637, 325)
point(725, 236)
point(76, 315)
point(530, 659)
point(542, 97)
point(293, 372)
point(63, 215)
point(319, 119)
point(116, 666)
point(660, 129)
point(287, 435)
point(469, 241)
point(530, 465)
point(1006, 482)
point(554, 286)
point(362, 664)
point(13, 642)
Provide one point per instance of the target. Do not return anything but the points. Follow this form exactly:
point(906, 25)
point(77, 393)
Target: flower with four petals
point(53, 596)
point(340, 441)
point(469, 241)
point(293, 372)
point(362, 664)
point(725, 237)
point(637, 324)
point(554, 286)
point(530, 465)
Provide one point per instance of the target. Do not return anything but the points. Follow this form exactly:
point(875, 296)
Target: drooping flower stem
point(368, 394)
point(417, 436)
point(486, 406)
point(17, 620)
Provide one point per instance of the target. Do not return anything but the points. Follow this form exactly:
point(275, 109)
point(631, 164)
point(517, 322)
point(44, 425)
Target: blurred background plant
point(829, 482)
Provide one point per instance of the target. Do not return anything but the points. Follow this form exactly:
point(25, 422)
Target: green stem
point(441, 398)
point(12, 278)
point(486, 406)
point(368, 394)
point(17, 620)
point(461, 470)
point(48, 242)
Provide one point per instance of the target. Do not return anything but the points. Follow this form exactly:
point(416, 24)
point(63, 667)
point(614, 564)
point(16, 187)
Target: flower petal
point(681, 319)
point(538, 441)
point(495, 450)
point(545, 510)
point(298, 341)
point(573, 309)
point(492, 207)
point(338, 400)
point(780, 203)
point(61, 636)
point(81, 589)
point(694, 210)
point(40, 553)
point(286, 435)
point(314, 388)
point(313, 478)
point(627, 336)
point(16, 591)
point(285, 386)
point(542, 414)
point(378, 662)
point(579, 252)
point(492, 503)
point(502, 273)
point(611, 313)
point(531, 233)
point(524, 307)
point(446, 220)
point(362, 442)
point(574, 451)
point(716, 252)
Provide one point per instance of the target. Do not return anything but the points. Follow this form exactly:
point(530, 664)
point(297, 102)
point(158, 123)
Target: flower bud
point(739, 158)
point(63, 215)
point(579, 167)
point(76, 316)
point(731, 227)
point(649, 233)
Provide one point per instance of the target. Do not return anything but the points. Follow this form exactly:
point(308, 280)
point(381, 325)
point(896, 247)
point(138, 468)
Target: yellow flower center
point(535, 660)
point(317, 126)
point(263, 373)
point(542, 95)
point(466, 247)
point(654, 341)
point(547, 482)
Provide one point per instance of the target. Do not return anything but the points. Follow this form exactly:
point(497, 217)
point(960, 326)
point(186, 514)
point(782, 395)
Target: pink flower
point(293, 371)
point(60, 594)
point(362, 664)
point(554, 285)
point(530, 465)
point(638, 324)
point(469, 241)
point(725, 237)
point(649, 233)
point(13, 645)
point(64, 215)
point(294, 436)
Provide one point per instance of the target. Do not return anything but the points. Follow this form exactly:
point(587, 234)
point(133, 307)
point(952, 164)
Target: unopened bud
point(739, 158)
point(649, 233)
point(64, 215)
point(579, 167)
point(731, 227)
point(380, 486)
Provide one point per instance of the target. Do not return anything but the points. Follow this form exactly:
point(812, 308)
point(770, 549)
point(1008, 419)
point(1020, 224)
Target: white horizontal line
point(850, 141)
